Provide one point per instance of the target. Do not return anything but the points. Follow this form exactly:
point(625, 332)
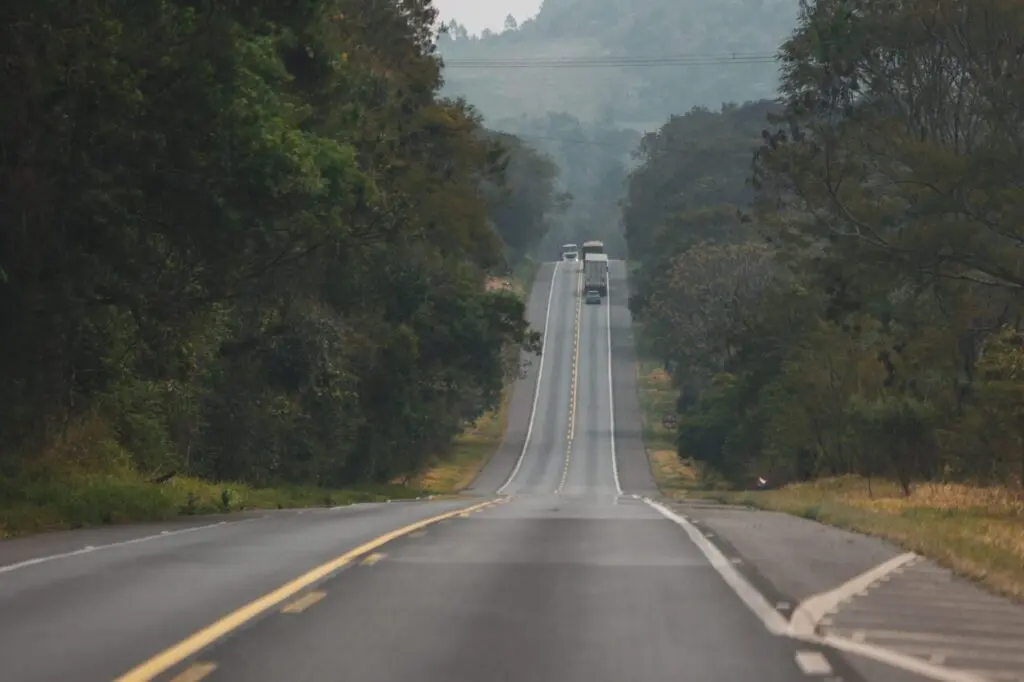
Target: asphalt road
point(563, 577)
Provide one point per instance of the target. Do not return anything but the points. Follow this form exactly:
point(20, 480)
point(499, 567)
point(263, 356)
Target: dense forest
point(837, 289)
point(250, 241)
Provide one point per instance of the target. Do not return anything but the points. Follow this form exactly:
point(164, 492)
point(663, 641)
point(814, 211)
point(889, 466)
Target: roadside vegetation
point(244, 255)
point(454, 470)
point(832, 283)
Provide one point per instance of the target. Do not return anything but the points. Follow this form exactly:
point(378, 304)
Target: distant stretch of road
point(554, 568)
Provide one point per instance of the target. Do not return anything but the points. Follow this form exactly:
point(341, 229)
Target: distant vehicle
point(593, 296)
point(570, 248)
point(595, 273)
point(592, 247)
point(570, 255)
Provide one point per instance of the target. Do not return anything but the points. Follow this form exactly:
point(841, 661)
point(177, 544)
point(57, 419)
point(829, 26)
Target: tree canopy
point(883, 335)
point(250, 241)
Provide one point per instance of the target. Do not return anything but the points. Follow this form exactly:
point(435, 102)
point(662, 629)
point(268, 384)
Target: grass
point(65, 501)
point(87, 482)
point(658, 398)
point(470, 453)
point(976, 532)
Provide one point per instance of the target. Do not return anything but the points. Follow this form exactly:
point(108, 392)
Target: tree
point(248, 242)
point(510, 24)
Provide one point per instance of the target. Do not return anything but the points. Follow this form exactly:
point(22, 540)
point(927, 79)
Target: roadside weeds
point(61, 501)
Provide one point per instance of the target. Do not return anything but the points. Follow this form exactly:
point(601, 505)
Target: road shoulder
point(919, 611)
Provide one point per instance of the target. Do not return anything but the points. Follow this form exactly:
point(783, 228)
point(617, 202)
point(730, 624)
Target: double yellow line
point(571, 433)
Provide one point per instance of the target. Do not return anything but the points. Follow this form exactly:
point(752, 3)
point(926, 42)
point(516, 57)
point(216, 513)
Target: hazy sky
point(477, 15)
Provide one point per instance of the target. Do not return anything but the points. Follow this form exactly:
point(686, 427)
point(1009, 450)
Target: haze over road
point(569, 575)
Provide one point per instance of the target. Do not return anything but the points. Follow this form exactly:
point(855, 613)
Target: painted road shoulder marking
point(809, 612)
point(201, 639)
point(813, 663)
point(536, 389)
point(776, 624)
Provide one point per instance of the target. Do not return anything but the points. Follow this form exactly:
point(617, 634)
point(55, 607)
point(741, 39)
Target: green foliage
point(881, 332)
point(252, 240)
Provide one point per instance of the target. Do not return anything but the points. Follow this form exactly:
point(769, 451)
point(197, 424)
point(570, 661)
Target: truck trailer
point(595, 273)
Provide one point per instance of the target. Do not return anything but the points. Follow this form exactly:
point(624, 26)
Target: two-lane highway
point(562, 577)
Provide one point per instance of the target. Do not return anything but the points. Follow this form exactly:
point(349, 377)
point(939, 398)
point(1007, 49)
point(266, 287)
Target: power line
point(612, 62)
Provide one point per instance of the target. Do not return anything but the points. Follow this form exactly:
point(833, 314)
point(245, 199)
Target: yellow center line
point(195, 672)
point(575, 381)
point(304, 602)
point(201, 639)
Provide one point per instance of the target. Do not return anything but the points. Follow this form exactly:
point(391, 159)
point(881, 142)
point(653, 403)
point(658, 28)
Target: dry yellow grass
point(977, 532)
point(670, 472)
point(470, 453)
point(657, 398)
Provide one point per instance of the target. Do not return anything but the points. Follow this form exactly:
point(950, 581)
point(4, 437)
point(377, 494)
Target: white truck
point(570, 252)
point(595, 273)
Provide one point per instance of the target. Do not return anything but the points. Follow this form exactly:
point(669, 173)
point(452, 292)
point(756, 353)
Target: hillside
point(631, 62)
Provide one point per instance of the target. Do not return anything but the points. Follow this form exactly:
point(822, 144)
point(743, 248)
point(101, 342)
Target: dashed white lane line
point(536, 390)
point(813, 663)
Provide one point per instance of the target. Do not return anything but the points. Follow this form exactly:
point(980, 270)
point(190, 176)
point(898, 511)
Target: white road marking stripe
point(88, 549)
point(810, 611)
point(813, 663)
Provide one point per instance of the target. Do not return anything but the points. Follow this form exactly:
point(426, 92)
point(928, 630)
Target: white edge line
point(536, 390)
point(755, 601)
point(89, 549)
point(611, 391)
point(810, 611)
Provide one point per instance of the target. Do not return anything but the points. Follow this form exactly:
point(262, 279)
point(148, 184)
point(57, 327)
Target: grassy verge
point(57, 502)
point(658, 398)
point(475, 446)
point(977, 532)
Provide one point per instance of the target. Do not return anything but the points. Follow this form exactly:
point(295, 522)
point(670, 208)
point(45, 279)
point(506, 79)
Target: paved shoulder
point(924, 611)
point(631, 455)
point(871, 597)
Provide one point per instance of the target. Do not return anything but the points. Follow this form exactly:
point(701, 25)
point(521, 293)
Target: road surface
point(569, 574)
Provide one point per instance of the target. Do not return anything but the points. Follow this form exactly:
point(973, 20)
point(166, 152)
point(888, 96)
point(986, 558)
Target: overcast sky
point(476, 15)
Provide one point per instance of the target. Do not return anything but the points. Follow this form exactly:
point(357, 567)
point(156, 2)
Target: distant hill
point(631, 63)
